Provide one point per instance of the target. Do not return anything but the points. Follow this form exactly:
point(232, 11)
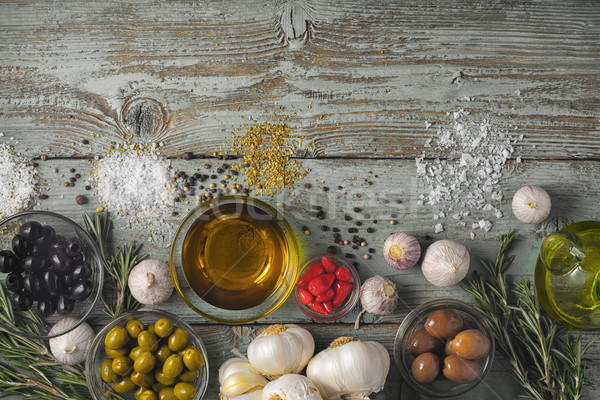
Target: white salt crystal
point(485, 225)
point(439, 228)
point(427, 125)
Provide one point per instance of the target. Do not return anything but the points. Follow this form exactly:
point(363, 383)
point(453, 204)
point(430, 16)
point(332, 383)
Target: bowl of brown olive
point(147, 355)
point(49, 267)
point(444, 348)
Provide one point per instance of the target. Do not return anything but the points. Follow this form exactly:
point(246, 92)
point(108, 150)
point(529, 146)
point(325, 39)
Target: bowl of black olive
point(50, 267)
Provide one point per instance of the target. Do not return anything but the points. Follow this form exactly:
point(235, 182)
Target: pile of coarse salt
point(469, 178)
point(134, 183)
point(18, 182)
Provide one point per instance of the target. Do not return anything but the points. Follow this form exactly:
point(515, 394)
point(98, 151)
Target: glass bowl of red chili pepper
point(328, 287)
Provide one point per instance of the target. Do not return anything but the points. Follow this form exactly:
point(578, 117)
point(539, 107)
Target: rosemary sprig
point(547, 365)
point(117, 267)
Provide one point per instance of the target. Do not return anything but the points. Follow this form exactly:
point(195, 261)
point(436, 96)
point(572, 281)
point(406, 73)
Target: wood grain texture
point(372, 73)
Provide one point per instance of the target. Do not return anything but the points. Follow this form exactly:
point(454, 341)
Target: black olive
point(39, 249)
point(33, 263)
point(65, 305)
point(82, 271)
point(14, 282)
point(8, 261)
point(21, 300)
point(47, 237)
point(81, 290)
point(59, 260)
point(46, 306)
point(21, 246)
point(32, 285)
point(77, 259)
point(54, 282)
point(69, 280)
point(74, 246)
point(31, 230)
point(59, 242)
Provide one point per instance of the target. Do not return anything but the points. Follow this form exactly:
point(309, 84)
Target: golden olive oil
point(234, 256)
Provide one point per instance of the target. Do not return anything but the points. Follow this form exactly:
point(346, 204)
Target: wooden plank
point(396, 180)
point(373, 76)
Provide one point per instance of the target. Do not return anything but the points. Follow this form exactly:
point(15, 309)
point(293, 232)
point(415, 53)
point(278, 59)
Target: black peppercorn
point(357, 210)
point(81, 199)
point(349, 255)
point(370, 230)
point(336, 229)
point(347, 217)
point(324, 228)
point(332, 249)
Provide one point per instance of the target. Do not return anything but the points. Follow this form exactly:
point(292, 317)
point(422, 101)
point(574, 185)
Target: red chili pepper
point(328, 295)
point(341, 290)
point(328, 264)
point(318, 307)
point(343, 274)
point(305, 296)
point(321, 283)
point(328, 306)
point(315, 270)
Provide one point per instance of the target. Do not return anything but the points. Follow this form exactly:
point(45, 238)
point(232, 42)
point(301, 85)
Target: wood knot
point(143, 117)
point(295, 21)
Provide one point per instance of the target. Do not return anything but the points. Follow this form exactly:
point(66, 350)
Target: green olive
point(134, 327)
point(184, 391)
point(157, 387)
point(123, 351)
point(178, 340)
point(167, 394)
point(122, 365)
point(148, 395)
point(192, 358)
point(138, 392)
point(124, 385)
point(162, 354)
point(116, 338)
point(144, 363)
point(106, 372)
point(148, 341)
point(135, 352)
point(161, 378)
point(142, 379)
point(163, 327)
point(188, 375)
point(173, 366)
point(150, 328)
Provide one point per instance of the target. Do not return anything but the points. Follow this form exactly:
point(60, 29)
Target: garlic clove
point(238, 377)
point(150, 282)
point(291, 387)
point(401, 250)
point(531, 204)
point(445, 263)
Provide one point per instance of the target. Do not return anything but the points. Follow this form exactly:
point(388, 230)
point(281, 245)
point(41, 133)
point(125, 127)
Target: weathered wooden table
point(363, 77)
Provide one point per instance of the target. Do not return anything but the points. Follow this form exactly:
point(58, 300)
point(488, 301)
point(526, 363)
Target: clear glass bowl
point(347, 305)
point(414, 321)
point(91, 254)
point(96, 354)
point(271, 303)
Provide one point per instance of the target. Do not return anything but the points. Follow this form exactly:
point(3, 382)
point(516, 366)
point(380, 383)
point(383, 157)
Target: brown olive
point(122, 365)
point(163, 327)
point(471, 344)
point(123, 351)
point(444, 324)
point(148, 341)
point(144, 363)
point(172, 366)
point(124, 385)
point(425, 368)
point(167, 394)
point(116, 338)
point(184, 391)
point(422, 342)
point(148, 395)
point(106, 372)
point(135, 352)
point(460, 370)
point(189, 375)
point(134, 327)
point(142, 379)
point(162, 354)
point(161, 378)
point(192, 358)
point(448, 349)
point(178, 340)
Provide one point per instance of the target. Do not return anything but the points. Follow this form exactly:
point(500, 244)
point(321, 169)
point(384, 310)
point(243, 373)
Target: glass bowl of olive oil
point(234, 260)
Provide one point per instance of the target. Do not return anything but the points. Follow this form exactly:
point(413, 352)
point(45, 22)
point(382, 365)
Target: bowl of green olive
point(147, 355)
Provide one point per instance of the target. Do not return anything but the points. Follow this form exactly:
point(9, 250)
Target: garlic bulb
point(240, 380)
point(401, 250)
point(72, 347)
point(291, 387)
point(349, 368)
point(378, 296)
point(150, 282)
point(281, 349)
point(531, 204)
point(445, 263)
